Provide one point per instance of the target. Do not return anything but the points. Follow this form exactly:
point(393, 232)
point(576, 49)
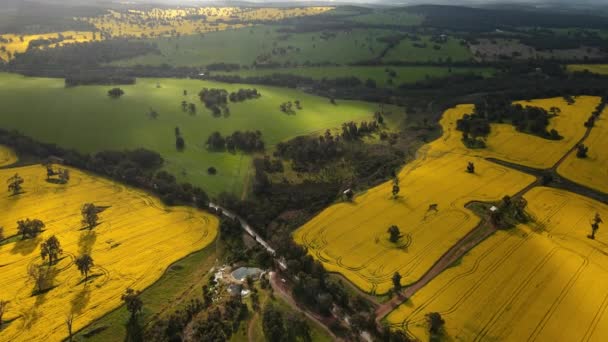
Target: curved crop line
point(481, 334)
point(541, 325)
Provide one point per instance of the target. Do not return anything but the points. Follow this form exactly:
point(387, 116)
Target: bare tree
point(69, 321)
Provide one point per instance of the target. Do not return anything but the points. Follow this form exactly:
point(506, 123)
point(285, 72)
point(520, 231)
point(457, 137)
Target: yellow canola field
point(10, 44)
point(601, 69)
point(504, 142)
point(170, 22)
point(593, 170)
point(545, 281)
point(136, 240)
point(352, 238)
point(7, 156)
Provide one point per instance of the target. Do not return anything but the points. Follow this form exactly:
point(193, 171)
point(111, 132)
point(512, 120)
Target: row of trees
point(244, 94)
point(247, 141)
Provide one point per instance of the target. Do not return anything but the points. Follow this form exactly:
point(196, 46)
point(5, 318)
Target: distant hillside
point(483, 19)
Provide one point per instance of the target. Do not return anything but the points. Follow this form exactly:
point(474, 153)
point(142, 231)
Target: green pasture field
point(405, 51)
point(245, 46)
point(380, 74)
point(86, 119)
point(389, 17)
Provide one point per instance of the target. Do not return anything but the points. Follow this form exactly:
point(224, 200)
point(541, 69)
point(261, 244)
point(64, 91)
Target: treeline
point(244, 94)
point(139, 168)
point(247, 141)
point(97, 78)
point(79, 55)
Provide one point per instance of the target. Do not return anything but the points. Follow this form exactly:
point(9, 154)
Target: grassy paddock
point(86, 119)
point(180, 283)
point(264, 44)
point(408, 74)
point(405, 51)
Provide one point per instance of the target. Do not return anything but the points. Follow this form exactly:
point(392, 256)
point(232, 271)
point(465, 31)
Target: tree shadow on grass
point(27, 246)
point(14, 195)
point(86, 241)
point(134, 331)
point(90, 278)
point(7, 321)
point(80, 300)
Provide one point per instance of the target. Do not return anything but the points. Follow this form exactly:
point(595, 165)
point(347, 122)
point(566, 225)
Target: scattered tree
point(435, 323)
point(595, 225)
point(51, 248)
point(133, 302)
point(115, 93)
point(397, 282)
point(84, 264)
point(15, 184)
point(396, 188)
point(471, 167)
point(192, 108)
point(581, 151)
point(394, 233)
point(89, 215)
point(180, 144)
point(349, 194)
point(29, 228)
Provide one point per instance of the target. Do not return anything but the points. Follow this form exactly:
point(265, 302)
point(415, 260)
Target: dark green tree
point(84, 264)
point(90, 215)
point(471, 167)
point(396, 282)
point(115, 93)
point(51, 248)
point(595, 225)
point(15, 184)
point(435, 324)
point(29, 228)
point(394, 233)
point(396, 188)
